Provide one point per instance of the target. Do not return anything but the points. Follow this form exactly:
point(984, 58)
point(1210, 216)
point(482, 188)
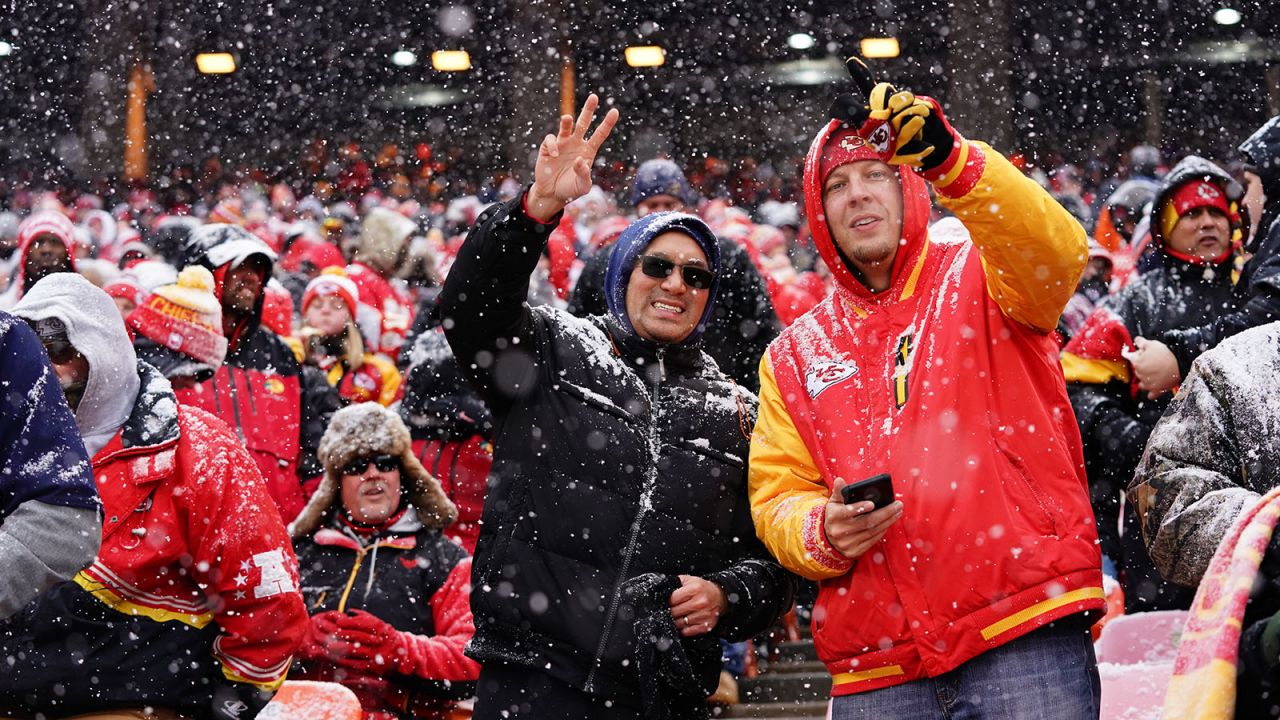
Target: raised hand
point(562, 173)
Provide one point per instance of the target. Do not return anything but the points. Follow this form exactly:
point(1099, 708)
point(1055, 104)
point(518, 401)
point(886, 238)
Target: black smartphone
point(878, 489)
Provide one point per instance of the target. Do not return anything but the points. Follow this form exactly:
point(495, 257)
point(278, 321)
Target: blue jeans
point(1048, 674)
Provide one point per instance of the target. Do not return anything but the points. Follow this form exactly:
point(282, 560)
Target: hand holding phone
point(877, 489)
point(850, 528)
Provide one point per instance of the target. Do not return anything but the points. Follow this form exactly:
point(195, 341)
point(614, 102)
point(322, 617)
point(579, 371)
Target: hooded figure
point(369, 539)
point(618, 453)
point(195, 563)
point(1195, 230)
point(744, 320)
point(49, 517)
point(278, 407)
point(931, 361)
point(94, 328)
point(46, 244)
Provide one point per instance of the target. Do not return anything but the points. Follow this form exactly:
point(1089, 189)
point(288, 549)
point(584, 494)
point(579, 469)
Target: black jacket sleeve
point(1114, 439)
point(759, 592)
point(486, 319)
point(319, 402)
point(1261, 281)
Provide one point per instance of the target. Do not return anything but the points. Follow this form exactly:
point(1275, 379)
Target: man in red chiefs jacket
point(934, 361)
point(192, 604)
point(278, 407)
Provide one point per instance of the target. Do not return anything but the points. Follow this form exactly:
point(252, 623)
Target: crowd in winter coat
point(534, 428)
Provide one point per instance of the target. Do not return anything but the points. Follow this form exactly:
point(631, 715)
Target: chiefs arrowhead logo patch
point(824, 375)
point(880, 137)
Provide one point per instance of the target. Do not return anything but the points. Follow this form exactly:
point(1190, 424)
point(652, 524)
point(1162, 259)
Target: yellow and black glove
point(902, 118)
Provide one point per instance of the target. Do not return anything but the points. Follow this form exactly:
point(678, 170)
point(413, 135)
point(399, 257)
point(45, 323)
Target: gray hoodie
point(95, 329)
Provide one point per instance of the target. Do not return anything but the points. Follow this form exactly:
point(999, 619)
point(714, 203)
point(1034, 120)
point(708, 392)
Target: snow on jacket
point(1212, 455)
point(1116, 419)
point(277, 407)
point(195, 563)
point(949, 382)
point(614, 457)
point(415, 579)
point(744, 321)
point(49, 510)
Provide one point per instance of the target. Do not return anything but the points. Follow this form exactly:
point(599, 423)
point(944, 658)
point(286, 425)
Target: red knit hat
point(126, 289)
point(184, 317)
point(332, 281)
point(844, 146)
point(1190, 196)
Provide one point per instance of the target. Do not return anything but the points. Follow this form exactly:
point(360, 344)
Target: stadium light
point(403, 58)
point(219, 63)
point(645, 56)
point(451, 60)
point(5, 48)
point(1227, 16)
point(879, 47)
point(800, 41)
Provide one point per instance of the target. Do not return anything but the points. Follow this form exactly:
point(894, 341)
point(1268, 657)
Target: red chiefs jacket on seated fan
point(950, 382)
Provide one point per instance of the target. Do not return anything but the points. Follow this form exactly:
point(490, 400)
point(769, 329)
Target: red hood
point(915, 222)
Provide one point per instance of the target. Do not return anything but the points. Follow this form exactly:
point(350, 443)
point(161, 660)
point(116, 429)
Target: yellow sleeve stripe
point(786, 489)
point(271, 686)
point(1032, 249)
point(1095, 372)
point(125, 607)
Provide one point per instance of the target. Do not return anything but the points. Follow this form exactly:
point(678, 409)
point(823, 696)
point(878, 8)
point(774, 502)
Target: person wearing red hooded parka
point(934, 360)
point(278, 407)
point(46, 244)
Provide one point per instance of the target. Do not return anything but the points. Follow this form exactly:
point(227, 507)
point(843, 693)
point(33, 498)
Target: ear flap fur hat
point(364, 430)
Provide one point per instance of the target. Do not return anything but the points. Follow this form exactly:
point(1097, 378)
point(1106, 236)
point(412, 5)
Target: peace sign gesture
point(562, 173)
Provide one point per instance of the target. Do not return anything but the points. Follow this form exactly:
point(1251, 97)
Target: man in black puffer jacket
point(1195, 224)
point(620, 455)
point(1167, 358)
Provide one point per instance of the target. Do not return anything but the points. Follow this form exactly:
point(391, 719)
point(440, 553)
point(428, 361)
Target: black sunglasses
point(384, 463)
point(660, 267)
point(60, 352)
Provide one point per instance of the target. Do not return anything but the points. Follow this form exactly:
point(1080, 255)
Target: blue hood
point(631, 245)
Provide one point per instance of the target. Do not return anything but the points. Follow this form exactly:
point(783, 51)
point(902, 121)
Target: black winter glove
point(1260, 647)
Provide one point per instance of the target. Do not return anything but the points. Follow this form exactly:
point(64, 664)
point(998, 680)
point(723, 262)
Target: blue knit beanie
point(631, 245)
point(660, 177)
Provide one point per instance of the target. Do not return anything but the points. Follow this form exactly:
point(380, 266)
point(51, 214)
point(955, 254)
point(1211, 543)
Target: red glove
point(320, 630)
point(366, 643)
